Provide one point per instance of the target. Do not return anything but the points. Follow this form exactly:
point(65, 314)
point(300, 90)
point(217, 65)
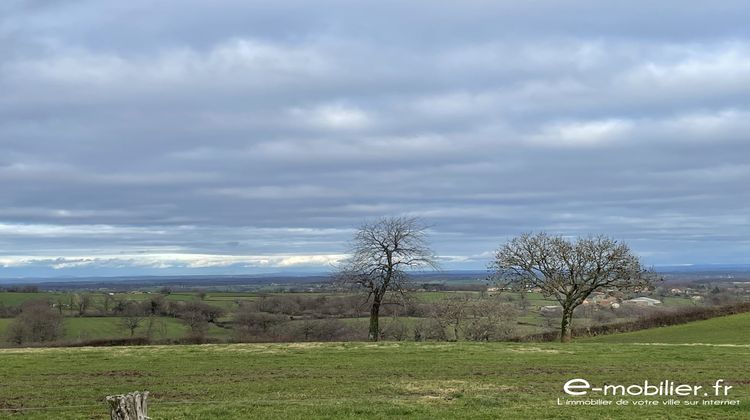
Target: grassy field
point(419, 380)
point(17, 298)
point(89, 328)
point(733, 329)
point(111, 327)
point(230, 300)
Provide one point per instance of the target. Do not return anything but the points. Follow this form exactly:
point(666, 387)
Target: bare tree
point(197, 315)
point(60, 304)
point(382, 253)
point(36, 323)
point(106, 302)
point(82, 302)
point(132, 318)
point(451, 312)
point(155, 324)
point(569, 271)
point(396, 329)
point(523, 302)
point(201, 294)
point(155, 305)
point(196, 322)
point(251, 325)
point(490, 319)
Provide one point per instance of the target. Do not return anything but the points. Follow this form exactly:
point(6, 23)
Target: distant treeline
point(20, 289)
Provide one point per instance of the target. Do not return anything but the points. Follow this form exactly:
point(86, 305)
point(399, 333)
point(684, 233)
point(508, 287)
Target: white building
point(643, 301)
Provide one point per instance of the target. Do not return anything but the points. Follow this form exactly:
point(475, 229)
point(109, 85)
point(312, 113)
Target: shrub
point(36, 323)
point(316, 330)
point(249, 325)
point(395, 329)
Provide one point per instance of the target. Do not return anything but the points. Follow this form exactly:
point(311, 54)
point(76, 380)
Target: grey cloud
point(223, 128)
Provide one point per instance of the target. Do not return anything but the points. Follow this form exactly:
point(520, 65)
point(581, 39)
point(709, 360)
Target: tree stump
point(130, 406)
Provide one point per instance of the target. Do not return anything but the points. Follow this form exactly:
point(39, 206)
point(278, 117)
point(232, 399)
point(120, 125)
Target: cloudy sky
point(142, 137)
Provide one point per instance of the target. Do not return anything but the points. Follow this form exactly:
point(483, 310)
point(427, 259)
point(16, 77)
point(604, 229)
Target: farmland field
point(89, 328)
point(733, 329)
point(18, 298)
point(423, 380)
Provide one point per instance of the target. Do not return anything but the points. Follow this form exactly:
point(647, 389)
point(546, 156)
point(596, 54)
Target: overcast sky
point(142, 137)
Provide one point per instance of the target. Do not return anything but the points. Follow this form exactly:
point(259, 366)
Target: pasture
point(734, 329)
point(374, 380)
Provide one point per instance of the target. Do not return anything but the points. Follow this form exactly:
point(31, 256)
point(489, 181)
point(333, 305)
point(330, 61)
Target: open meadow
point(400, 379)
point(727, 330)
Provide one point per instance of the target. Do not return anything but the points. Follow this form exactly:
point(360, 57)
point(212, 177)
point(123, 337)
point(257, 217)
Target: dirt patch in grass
point(245, 348)
point(537, 350)
point(13, 403)
point(447, 390)
point(121, 373)
point(314, 345)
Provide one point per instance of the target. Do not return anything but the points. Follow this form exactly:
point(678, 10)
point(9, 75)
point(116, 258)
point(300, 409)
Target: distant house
point(642, 301)
point(601, 300)
point(610, 302)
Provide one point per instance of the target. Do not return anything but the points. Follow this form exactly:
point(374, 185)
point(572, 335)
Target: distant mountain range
point(696, 272)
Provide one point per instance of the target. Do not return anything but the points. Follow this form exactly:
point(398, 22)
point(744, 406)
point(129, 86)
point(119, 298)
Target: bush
point(37, 323)
point(432, 329)
point(249, 325)
point(395, 329)
point(486, 329)
point(316, 330)
point(316, 307)
point(194, 309)
point(604, 316)
point(9, 311)
point(155, 305)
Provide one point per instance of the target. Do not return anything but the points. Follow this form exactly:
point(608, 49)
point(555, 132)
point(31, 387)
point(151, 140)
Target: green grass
point(403, 379)
point(111, 327)
point(90, 328)
point(13, 298)
point(732, 329)
point(345, 380)
point(437, 296)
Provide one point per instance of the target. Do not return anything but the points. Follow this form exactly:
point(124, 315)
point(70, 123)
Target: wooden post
point(130, 406)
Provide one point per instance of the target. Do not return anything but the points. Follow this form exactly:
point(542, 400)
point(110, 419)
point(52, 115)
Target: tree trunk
point(130, 406)
point(565, 325)
point(374, 333)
